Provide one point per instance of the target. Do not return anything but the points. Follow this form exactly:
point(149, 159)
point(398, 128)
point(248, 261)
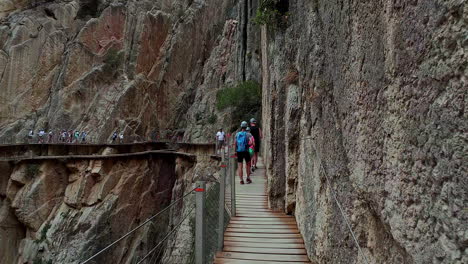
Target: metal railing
point(146, 240)
point(208, 207)
point(343, 214)
point(217, 206)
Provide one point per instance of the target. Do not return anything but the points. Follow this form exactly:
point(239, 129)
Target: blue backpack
point(242, 142)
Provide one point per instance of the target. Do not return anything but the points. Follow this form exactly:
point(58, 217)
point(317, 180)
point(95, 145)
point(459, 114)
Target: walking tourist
point(41, 136)
point(114, 137)
point(257, 134)
point(242, 151)
point(83, 136)
point(31, 135)
point(220, 136)
point(51, 135)
point(77, 136)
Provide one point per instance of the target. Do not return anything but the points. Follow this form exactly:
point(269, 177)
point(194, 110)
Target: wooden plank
point(245, 213)
point(281, 251)
point(278, 226)
point(253, 209)
point(250, 218)
point(264, 257)
point(263, 230)
point(250, 261)
point(252, 205)
point(263, 245)
point(265, 240)
point(262, 235)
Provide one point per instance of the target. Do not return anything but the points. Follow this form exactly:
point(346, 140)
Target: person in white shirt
point(220, 138)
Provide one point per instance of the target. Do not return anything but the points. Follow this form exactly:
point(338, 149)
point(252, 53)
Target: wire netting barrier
point(212, 220)
point(146, 243)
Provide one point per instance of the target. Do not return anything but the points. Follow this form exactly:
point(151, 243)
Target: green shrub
point(212, 119)
point(272, 13)
point(245, 100)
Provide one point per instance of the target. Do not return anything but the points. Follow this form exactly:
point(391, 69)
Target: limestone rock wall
point(371, 94)
point(141, 67)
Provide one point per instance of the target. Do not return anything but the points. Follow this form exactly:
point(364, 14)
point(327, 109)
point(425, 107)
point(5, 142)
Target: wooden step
point(243, 213)
point(263, 230)
point(242, 261)
point(264, 257)
point(276, 226)
point(285, 251)
point(260, 244)
point(261, 241)
point(262, 235)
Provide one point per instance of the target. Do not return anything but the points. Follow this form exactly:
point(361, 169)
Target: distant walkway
point(11, 152)
point(258, 235)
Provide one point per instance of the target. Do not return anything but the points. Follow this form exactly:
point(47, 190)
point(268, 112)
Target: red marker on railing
point(199, 189)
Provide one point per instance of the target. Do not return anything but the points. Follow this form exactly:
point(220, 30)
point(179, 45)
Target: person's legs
point(248, 166)
point(239, 171)
point(240, 166)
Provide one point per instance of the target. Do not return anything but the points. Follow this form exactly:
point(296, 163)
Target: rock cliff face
point(372, 95)
point(64, 211)
point(136, 66)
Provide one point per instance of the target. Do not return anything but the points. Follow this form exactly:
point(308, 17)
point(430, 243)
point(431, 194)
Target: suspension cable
point(343, 214)
point(136, 228)
point(167, 236)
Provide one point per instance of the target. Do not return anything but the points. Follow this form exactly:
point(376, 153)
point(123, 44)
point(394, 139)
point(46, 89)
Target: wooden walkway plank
point(272, 257)
point(261, 241)
point(279, 244)
point(263, 235)
point(241, 261)
point(257, 234)
point(281, 251)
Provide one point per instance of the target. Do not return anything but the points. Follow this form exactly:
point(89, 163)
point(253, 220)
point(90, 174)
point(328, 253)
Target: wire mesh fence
point(145, 243)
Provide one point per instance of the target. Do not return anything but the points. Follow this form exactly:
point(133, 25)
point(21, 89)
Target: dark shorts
point(241, 156)
point(257, 146)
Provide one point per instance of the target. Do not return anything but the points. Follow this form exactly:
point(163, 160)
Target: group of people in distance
point(62, 136)
point(247, 145)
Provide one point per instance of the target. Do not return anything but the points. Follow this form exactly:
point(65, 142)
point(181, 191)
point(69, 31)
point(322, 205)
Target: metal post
point(222, 187)
point(233, 184)
point(216, 146)
point(200, 198)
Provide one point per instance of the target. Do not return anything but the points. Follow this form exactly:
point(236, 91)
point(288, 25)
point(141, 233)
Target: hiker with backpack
point(242, 151)
point(257, 134)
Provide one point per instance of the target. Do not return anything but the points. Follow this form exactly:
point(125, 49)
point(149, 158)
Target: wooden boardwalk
point(257, 234)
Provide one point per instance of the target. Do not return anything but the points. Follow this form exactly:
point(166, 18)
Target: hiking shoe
point(241, 182)
point(249, 181)
point(252, 169)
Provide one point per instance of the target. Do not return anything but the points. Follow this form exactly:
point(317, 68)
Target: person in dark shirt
point(257, 134)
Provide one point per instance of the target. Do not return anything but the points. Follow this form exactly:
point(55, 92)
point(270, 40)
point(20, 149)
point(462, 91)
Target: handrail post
point(222, 187)
point(200, 225)
point(233, 168)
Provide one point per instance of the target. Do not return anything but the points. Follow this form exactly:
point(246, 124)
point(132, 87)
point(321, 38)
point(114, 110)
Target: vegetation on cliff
point(272, 13)
point(245, 100)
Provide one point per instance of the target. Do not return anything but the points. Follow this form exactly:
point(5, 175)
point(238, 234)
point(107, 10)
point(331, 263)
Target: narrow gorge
point(361, 103)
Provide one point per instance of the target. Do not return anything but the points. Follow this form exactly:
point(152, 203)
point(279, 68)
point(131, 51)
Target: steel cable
point(343, 214)
point(136, 228)
point(167, 236)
